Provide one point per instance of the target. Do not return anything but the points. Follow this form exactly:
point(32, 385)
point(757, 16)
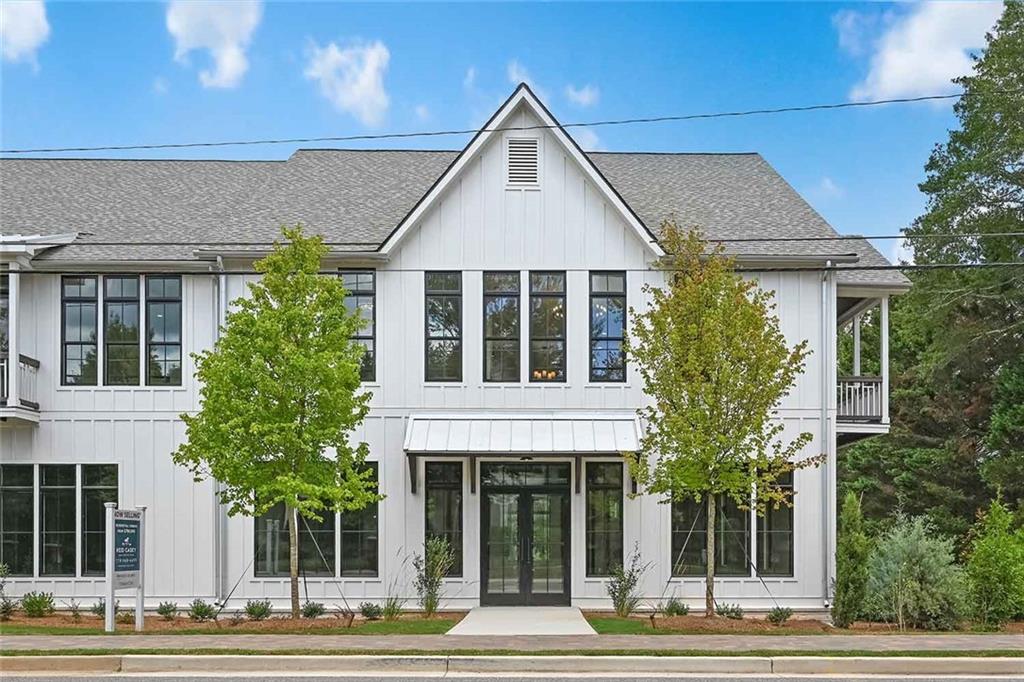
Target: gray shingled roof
point(360, 196)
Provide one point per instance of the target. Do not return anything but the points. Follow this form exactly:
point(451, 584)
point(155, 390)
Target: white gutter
point(828, 468)
point(220, 530)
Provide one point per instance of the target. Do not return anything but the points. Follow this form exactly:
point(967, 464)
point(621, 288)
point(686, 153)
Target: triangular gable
point(494, 126)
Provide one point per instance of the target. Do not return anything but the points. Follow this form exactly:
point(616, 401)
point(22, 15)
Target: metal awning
point(559, 434)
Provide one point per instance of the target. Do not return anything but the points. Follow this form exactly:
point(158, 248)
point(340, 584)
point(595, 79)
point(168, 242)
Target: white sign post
point(126, 535)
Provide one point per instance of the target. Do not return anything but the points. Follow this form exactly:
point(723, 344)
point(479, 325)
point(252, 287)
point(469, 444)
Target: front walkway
point(523, 620)
point(520, 643)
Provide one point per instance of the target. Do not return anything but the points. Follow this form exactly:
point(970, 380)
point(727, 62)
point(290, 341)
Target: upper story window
point(547, 326)
point(121, 330)
point(501, 326)
point(443, 326)
point(361, 296)
point(5, 303)
point(79, 330)
point(163, 330)
point(607, 326)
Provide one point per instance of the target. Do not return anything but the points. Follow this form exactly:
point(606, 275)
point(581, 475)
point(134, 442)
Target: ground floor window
point(689, 538)
point(775, 536)
point(316, 544)
point(604, 517)
point(443, 501)
point(69, 544)
point(360, 538)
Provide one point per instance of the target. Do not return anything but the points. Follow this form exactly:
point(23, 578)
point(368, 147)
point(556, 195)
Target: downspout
point(827, 478)
point(220, 527)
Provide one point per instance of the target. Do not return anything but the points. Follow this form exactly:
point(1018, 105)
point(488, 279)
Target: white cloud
point(902, 251)
point(23, 29)
point(517, 74)
point(160, 85)
point(222, 28)
point(469, 80)
point(854, 29)
point(828, 189)
point(586, 96)
point(422, 112)
point(920, 51)
point(586, 138)
point(352, 78)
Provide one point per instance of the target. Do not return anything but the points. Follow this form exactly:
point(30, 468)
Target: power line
point(471, 131)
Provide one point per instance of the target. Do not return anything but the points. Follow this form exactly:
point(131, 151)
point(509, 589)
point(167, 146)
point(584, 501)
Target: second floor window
point(607, 326)
point(547, 326)
point(79, 352)
point(443, 326)
point(501, 326)
point(121, 331)
point(163, 330)
point(361, 287)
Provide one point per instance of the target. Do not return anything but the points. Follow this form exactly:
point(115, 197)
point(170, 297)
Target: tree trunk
point(293, 558)
point(709, 590)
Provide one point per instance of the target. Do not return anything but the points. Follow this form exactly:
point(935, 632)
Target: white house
point(497, 278)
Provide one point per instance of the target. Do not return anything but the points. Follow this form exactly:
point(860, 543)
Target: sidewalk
point(521, 643)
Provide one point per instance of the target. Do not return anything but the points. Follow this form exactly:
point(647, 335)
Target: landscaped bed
point(88, 624)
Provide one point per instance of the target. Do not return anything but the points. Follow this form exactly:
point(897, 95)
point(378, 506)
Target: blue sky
point(82, 74)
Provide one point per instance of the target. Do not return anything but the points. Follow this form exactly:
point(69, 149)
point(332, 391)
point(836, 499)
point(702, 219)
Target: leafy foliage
point(74, 610)
point(38, 604)
point(201, 611)
point(7, 605)
point(313, 609)
point(258, 609)
point(623, 583)
point(371, 611)
point(281, 396)
point(430, 569)
point(100, 608)
point(996, 567)
point(167, 610)
point(715, 364)
point(852, 550)
point(779, 615)
point(913, 580)
point(674, 607)
point(732, 611)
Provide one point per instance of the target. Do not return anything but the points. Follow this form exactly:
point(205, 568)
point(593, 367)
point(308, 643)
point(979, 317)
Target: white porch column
point(13, 366)
point(856, 345)
point(884, 336)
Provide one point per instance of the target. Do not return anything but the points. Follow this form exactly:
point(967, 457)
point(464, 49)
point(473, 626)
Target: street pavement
point(561, 677)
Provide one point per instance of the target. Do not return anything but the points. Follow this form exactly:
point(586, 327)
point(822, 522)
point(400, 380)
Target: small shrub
point(236, 618)
point(201, 611)
point(431, 568)
point(393, 607)
point(733, 611)
point(995, 568)
point(313, 609)
point(623, 583)
point(38, 604)
point(258, 609)
point(7, 607)
point(100, 608)
point(74, 610)
point(371, 611)
point(167, 610)
point(913, 580)
point(674, 607)
point(779, 615)
point(127, 617)
point(852, 550)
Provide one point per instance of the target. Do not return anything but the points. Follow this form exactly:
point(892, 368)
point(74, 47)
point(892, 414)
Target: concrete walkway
point(519, 643)
point(523, 620)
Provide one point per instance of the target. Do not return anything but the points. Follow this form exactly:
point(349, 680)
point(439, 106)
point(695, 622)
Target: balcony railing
point(28, 370)
point(859, 399)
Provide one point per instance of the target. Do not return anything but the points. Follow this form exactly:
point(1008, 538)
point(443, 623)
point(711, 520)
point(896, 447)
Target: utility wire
point(470, 131)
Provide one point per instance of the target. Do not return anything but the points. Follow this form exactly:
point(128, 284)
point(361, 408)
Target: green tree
point(715, 366)
point(852, 551)
point(281, 396)
point(958, 332)
point(995, 567)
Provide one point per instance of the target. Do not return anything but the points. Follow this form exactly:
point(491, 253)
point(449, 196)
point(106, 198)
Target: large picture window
point(775, 536)
point(607, 326)
point(57, 519)
point(79, 330)
point(444, 326)
point(272, 544)
point(360, 538)
point(361, 296)
point(604, 517)
point(443, 500)
point(732, 538)
point(99, 486)
point(547, 326)
point(121, 330)
point(16, 504)
point(501, 326)
point(163, 330)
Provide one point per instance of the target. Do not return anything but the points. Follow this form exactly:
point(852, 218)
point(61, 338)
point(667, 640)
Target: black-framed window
point(360, 537)
point(16, 505)
point(5, 305)
point(607, 326)
point(361, 286)
point(501, 326)
point(604, 517)
point(121, 330)
point(732, 538)
point(99, 486)
point(271, 543)
point(443, 507)
point(57, 542)
point(547, 326)
point(79, 330)
point(163, 330)
point(775, 536)
point(443, 326)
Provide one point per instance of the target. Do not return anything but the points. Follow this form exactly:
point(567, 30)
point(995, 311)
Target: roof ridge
point(134, 160)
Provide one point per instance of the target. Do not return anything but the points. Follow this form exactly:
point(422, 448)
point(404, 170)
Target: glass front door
point(525, 538)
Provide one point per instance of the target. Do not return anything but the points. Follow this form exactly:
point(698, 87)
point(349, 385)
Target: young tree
point(715, 366)
point(852, 551)
point(281, 396)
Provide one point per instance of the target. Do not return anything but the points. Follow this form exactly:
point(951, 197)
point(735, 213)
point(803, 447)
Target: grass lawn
point(606, 624)
point(405, 626)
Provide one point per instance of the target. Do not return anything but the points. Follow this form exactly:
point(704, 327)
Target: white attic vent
point(523, 157)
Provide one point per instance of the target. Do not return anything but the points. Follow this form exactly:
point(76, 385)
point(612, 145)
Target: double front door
point(525, 533)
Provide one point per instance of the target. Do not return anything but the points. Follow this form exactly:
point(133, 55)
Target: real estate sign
point(127, 548)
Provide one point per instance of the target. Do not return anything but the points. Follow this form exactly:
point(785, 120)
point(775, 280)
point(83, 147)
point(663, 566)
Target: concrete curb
point(441, 664)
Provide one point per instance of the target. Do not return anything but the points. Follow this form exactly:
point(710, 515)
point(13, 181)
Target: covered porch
point(862, 367)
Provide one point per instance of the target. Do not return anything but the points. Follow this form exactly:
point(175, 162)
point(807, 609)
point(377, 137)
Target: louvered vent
point(523, 161)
